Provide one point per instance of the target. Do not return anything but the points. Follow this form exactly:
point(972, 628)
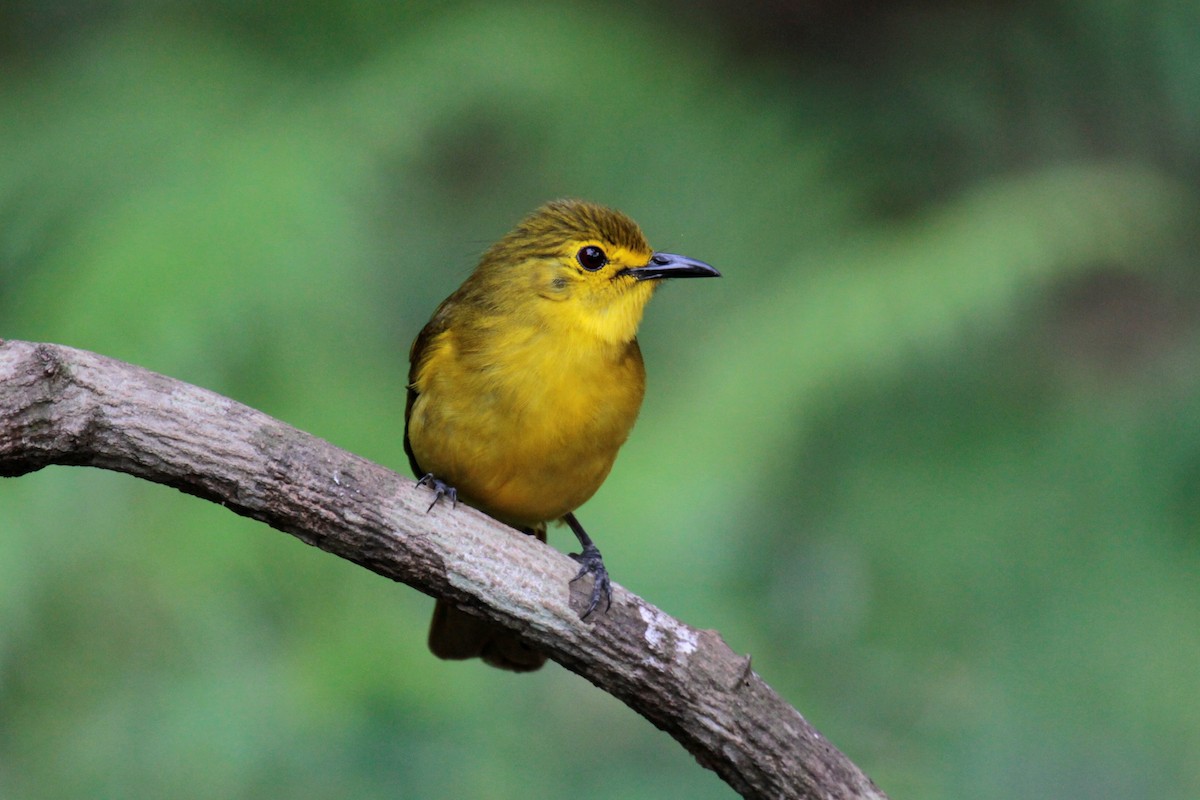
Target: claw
point(592, 563)
point(440, 490)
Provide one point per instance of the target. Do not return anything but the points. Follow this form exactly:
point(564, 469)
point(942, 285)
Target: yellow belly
point(526, 434)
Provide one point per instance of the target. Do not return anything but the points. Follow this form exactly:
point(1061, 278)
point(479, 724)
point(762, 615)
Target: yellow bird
point(526, 382)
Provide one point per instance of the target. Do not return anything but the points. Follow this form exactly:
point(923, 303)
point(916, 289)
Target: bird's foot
point(440, 489)
point(592, 563)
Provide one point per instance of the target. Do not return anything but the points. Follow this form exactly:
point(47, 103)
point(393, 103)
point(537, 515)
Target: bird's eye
point(591, 258)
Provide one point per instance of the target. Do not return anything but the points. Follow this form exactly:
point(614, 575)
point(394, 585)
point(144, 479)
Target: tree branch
point(59, 405)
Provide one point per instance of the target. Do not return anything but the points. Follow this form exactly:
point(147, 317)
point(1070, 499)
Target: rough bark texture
point(59, 405)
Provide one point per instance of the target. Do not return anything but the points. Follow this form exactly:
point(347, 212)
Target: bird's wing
point(417, 356)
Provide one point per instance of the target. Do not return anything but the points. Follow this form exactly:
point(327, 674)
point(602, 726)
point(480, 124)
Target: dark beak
point(669, 265)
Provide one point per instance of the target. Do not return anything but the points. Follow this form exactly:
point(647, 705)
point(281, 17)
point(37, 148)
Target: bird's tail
point(455, 634)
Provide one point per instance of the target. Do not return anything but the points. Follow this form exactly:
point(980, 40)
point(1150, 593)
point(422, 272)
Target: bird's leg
point(590, 563)
point(440, 489)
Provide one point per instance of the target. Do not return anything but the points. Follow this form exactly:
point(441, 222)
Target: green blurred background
point(929, 451)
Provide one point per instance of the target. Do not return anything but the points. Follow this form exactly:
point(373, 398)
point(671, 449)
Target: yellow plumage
point(527, 381)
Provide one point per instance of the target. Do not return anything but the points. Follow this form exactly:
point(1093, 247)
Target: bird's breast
point(525, 427)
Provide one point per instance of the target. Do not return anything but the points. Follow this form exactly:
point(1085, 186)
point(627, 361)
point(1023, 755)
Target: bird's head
point(582, 266)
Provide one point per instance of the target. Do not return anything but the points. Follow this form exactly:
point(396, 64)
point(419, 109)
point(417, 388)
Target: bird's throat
point(611, 319)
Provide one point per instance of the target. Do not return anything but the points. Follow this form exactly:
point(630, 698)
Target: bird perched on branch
point(526, 382)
